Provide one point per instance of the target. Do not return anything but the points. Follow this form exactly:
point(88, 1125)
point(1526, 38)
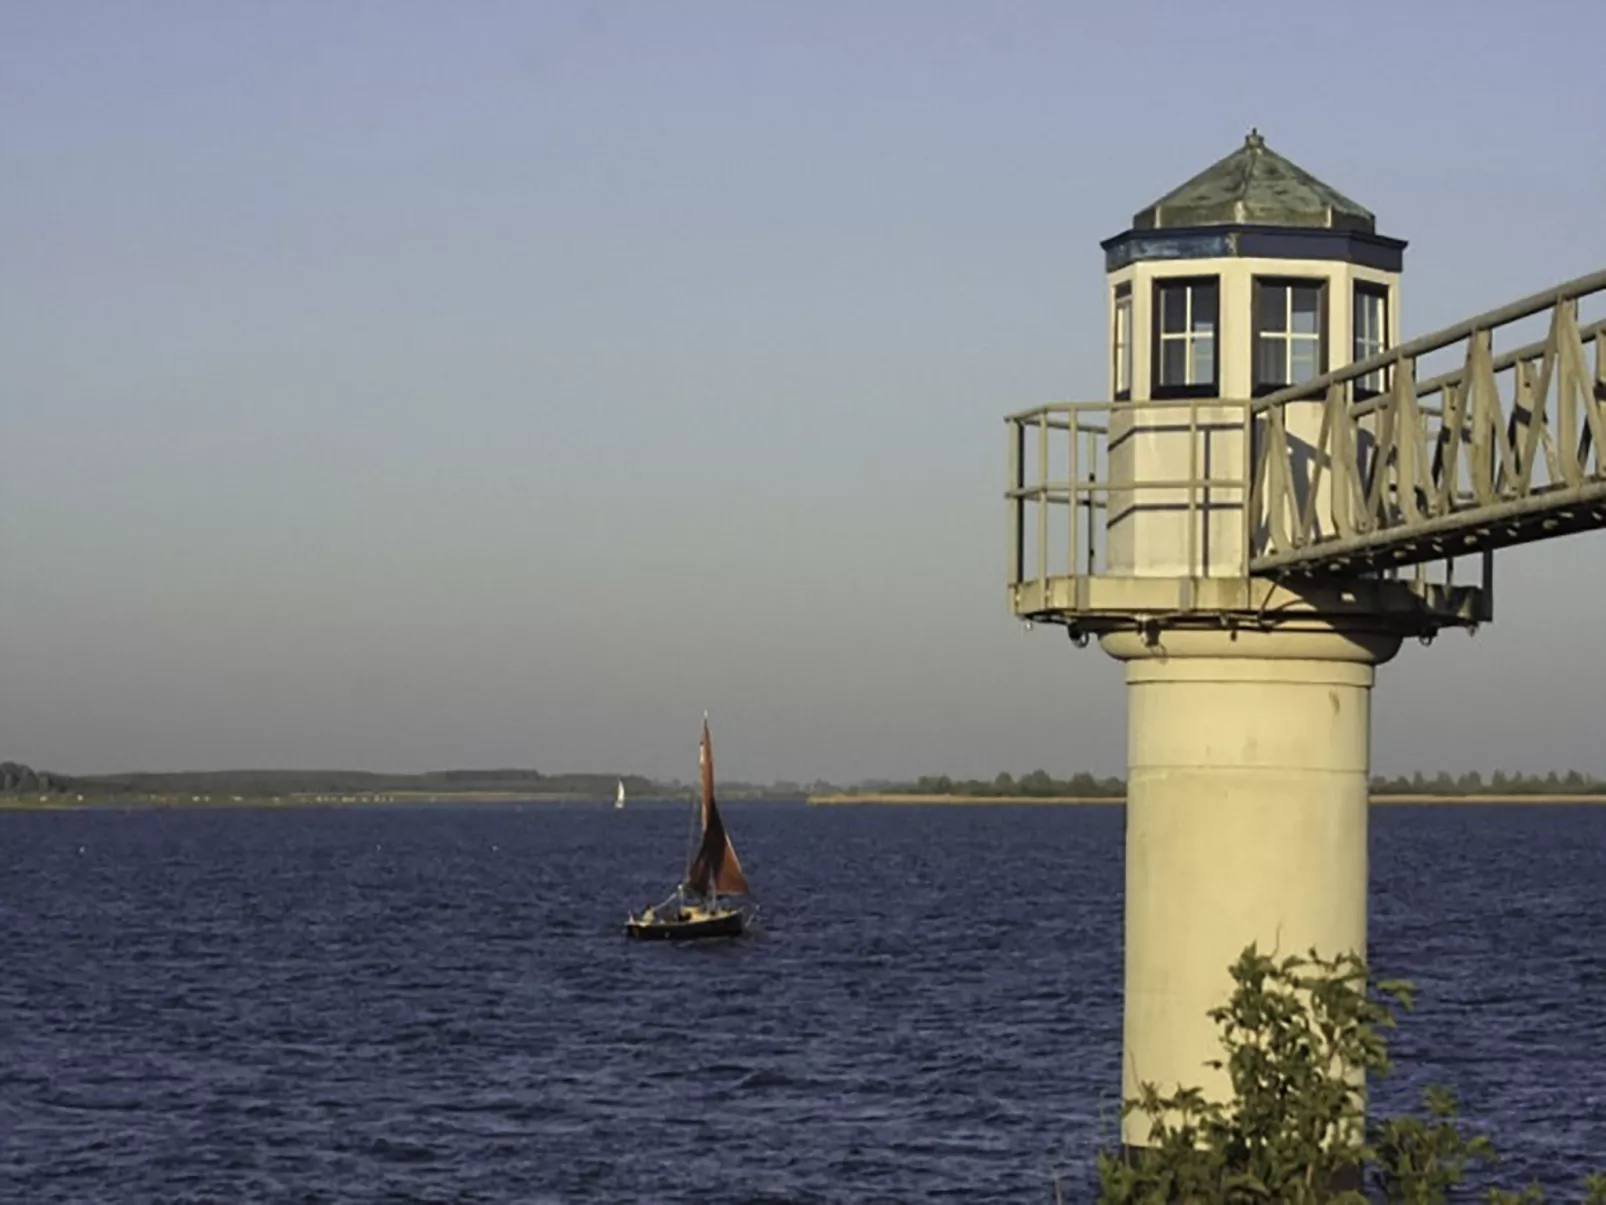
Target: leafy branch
point(1299, 1038)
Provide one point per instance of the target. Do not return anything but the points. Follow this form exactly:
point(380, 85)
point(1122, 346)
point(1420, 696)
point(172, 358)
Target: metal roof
point(1254, 186)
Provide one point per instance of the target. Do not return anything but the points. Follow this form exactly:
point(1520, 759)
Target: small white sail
point(619, 799)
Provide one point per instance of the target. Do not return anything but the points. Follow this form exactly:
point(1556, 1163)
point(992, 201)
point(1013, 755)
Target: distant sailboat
point(695, 909)
point(619, 799)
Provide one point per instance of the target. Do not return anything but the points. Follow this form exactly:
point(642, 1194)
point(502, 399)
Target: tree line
point(1037, 784)
point(1040, 784)
point(1570, 782)
point(19, 779)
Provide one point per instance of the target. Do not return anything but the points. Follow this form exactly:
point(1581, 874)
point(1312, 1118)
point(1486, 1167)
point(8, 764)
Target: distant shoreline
point(962, 800)
point(86, 801)
point(1120, 800)
point(70, 802)
point(74, 802)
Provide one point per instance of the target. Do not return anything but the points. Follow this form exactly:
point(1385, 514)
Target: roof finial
point(1254, 141)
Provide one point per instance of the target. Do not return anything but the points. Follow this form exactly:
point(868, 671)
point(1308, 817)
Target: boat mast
point(713, 881)
point(700, 798)
point(696, 810)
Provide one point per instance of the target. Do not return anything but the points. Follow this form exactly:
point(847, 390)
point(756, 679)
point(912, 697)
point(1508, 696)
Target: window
point(1290, 330)
point(1185, 336)
point(1123, 342)
point(1371, 335)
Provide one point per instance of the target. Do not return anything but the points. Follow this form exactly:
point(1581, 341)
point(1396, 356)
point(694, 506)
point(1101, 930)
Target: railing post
point(1092, 490)
point(1384, 449)
point(1193, 488)
point(1570, 381)
point(1408, 441)
point(1484, 404)
point(1308, 515)
point(1342, 457)
point(1597, 403)
point(1277, 478)
point(1072, 489)
point(1452, 434)
point(1249, 494)
point(1017, 503)
point(1042, 507)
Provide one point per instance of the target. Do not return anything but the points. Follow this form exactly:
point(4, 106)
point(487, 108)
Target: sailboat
point(619, 799)
point(695, 910)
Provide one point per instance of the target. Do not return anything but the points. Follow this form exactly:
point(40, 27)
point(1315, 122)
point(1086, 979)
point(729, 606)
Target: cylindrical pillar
point(1247, 782)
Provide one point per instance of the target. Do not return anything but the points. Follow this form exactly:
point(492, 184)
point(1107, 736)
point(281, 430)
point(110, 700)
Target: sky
point(406, 386)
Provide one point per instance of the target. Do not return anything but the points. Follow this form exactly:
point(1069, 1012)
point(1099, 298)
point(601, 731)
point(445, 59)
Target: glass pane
point(1304, 359)
point(1369, 338)
point(1271, 307)
point(1307, 308)
point(1123, 343)
point(1204, 361)
point(1204, 307)
point(1173, 308)
point(1270, 354)
point(1173, 362)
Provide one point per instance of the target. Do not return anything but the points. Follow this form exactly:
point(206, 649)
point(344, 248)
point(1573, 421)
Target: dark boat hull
point(693, 928)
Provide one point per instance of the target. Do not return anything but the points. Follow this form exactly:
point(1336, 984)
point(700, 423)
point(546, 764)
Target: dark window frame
point(1259, 388)
point(1158, 389)
point(1369, 288)
point(1123, 295)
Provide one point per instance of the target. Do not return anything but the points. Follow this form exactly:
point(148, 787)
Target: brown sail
point(714, 867)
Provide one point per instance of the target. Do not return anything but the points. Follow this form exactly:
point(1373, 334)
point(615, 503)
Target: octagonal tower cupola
point(1250, 276)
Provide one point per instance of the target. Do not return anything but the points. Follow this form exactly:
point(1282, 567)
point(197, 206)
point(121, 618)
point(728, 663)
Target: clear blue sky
point(413, 385)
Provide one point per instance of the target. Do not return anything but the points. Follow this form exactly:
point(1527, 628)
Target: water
point(439, 1005)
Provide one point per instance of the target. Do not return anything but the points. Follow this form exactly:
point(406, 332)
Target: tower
point(1248, 697)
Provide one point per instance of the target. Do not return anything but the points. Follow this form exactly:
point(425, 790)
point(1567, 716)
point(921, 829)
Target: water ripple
point(431, 1005)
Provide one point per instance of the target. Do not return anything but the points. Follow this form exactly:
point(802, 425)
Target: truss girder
point(1508, 448)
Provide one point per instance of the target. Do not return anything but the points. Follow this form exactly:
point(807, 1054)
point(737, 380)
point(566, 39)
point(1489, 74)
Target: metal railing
point(1117, 508)
point(1060, 456)
point(1507, 448)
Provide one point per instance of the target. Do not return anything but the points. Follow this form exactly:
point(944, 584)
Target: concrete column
point(1249, 758)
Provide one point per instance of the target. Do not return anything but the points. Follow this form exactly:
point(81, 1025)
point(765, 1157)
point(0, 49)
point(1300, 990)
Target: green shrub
point(1299, 1036)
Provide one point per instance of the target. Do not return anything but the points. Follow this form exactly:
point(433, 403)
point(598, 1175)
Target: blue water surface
point(438, 1004)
